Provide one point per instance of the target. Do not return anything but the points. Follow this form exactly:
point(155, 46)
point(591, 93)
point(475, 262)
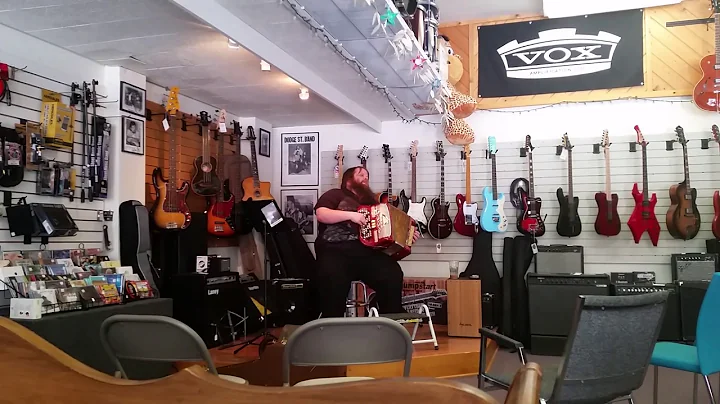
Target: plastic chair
point(704, 357)
point(346, 341)
point(154, 339)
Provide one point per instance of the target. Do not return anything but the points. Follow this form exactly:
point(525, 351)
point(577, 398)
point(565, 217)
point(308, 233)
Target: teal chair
point(704, 357)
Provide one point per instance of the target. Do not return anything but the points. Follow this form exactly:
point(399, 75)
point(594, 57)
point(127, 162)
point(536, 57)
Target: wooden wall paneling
point(458, 34)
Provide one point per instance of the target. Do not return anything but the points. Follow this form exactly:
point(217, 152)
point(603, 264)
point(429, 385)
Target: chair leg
point(709, 389)
point(655, 384)
point(630, 399)
point(695, 380)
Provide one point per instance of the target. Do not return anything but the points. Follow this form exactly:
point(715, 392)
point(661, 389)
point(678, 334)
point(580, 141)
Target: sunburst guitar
point(253, 188)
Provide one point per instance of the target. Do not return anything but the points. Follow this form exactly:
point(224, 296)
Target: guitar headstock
point(221, 119)
point(566, 142)
point(204, 118)
point(363, 156)
point(680, 132)
point(492, 145)
point(172, 105)
point(237, 130)
point(440, 153)
point(716, 133)
point(605, 142)
point(339, 153)
point(715, 6)
point(640, 138)
point(414, 149)
point(528, 144)
point(386, 153)
point(250, 133)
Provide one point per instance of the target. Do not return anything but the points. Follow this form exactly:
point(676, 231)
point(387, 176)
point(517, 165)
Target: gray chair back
point(609, 347)
point(153, 339)
point(347, 341)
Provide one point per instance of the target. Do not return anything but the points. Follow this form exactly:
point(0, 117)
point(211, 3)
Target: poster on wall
point(300, 159)
point(298, 205)
point(591, 52)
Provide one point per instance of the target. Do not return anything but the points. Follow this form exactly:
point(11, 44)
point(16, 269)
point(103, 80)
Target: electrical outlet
point(438, 248)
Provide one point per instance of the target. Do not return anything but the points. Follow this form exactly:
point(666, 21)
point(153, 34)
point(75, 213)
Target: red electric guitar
point(530, 221)
point(716, 195)
point(643, 217)
point(466, 220)
point(607, 222)
point(220, 215)
point(705, 94)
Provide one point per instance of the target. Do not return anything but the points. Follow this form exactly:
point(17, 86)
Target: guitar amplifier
point(671, 327)
point(560, 259)
point(693, 267)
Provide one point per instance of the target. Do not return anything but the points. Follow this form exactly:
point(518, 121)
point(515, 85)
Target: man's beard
point(364, 193)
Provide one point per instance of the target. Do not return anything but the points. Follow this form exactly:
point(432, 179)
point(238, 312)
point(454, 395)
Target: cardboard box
point(430, 291)
point(58, 124)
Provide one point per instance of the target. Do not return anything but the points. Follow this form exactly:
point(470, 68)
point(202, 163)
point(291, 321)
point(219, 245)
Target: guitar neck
point(389, 188)
point(442, 181)
point(340, 173)
point(607, 173)
point(570, 176)
point(237, 185)
point(494, 178)
point(686, 168)
point(645, 176)
point(531, 180)
point(413, 178)
point(717, 38)
point(221, 151)
point(253, 160)
point(172, 197)
point(468, 196)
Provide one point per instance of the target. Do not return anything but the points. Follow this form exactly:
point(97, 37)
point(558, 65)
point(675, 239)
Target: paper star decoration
point(418, 62)
point(389, 16)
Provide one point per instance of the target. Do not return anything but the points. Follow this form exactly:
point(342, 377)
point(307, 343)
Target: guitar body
point(643, 218)
point(220, 215)
point(403, 202)
point(683, 218)
point(202, 184)
point(607, 222)
point(241, 167)
point(530, 222)
point(716, 218)
point(416, 210)
point(162, 217)
point(704, 95)
point(261, 193)
point(384, 197)
point(467, 213)
point(568, 224)
point(440, 225)
point(493, 218)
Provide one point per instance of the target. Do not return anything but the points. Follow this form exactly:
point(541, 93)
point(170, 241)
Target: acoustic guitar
point(607, 222)
point(683, 217)
point(568, 224)
point(205, 181)
point(493, 218)
point(643, 216)
point(253, 188)
point(220, 214)
point(716, 195)
point(240, 168)
point(387, 196)
point(170, 212)
point(705, 94)
point(530, 222)
point(466, 220)
point(440, 225)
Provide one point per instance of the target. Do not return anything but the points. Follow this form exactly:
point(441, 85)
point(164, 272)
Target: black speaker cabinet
point(175, 252)
point(287, 300)
point(671, 329)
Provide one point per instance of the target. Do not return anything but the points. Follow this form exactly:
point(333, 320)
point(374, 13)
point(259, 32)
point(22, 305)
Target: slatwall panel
point(602, 254)
point(26, 104)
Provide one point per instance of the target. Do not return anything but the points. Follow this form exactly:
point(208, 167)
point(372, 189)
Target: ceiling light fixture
point(232, 44)
point(264, 66)
point(304, 94)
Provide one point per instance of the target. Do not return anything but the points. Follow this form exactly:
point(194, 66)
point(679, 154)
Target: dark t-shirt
point(338, 199)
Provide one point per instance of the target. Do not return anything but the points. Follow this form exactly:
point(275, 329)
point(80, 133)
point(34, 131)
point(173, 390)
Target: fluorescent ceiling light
point(264, 66)
point(232, 44)
point(569, 8)
point(304, 94)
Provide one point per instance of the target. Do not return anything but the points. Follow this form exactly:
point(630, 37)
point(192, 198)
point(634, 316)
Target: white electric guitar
point(416, 210)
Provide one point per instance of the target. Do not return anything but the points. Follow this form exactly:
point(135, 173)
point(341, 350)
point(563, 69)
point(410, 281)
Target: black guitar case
point(522, 257)
point(506, 318)
point(482, 266)
point(12, 175)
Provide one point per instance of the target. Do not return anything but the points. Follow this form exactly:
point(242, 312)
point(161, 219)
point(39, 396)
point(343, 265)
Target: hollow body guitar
point(205, 181)
point(493, 217)
point(683, 217)
point(568, 224)
point(440, 225)
point(643, 216)
point(220, 214)
point(607, 222)
point(530, 222)
point(466, 220)
point(253, 188)
point(705, 94)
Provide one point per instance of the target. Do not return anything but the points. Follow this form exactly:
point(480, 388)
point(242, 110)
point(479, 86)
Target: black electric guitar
point(568, 224)
point(441, 224)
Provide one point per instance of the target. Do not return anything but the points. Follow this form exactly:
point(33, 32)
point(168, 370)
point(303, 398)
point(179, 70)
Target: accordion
point(387, 228)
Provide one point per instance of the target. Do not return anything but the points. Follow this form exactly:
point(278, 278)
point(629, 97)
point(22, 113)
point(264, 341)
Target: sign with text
point(560, 55)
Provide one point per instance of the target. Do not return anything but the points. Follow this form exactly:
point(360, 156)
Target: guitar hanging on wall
point(493, 217)
point(387, 196)
point(205, 181)
point(530, 222)
point(338, 170)
point(170, 212)
point(440, 225)
point(643, 217)
point(253, 188)
point(404, 200)
point(683, 217)
point(363, 156)
point(705, 93)
point(240, 168)
point(607, 222)
point(416, 210)
point(220, 214)
point(466, 220)
point(568, 224)
point(716, 195)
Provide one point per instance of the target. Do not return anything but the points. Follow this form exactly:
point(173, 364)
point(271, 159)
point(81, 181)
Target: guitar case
point(522, 258)
point(506, 318)
point(482, 266)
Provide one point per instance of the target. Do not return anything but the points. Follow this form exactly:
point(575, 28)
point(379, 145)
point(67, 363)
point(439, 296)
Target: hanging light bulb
point(304, 94)
point(264, 66)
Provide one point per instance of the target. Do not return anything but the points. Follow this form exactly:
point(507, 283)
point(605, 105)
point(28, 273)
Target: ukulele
point(253, 188)
point(716, 195)
point(170, 212)
point(568, 224)
point(387, 196)
point(705, 94)
point(339, 165)
point(683, 217)
point(240, 168)
point(607, 222)
point(205, 181)
point(643, 216)
point(440, 225)
point(363, 156)
point(466, 220)
point(220, 214)
point(416, 210)
point(530, 222)
point(404, 200)
point(493, 217)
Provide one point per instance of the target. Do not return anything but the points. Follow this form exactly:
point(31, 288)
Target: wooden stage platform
point(455, 357)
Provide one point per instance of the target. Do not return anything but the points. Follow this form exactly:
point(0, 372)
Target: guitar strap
point(517, 184)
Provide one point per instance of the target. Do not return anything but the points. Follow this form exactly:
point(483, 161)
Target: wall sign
point(559, 55)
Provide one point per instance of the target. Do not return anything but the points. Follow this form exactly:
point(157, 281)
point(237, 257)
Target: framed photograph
point(300, 159)
point(133, 135)
point(132, 99)
point(264, 143)
point(298, 204)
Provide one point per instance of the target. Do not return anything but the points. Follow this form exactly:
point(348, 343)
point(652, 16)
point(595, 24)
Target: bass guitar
point(220, 214)
point(716, 195)
point(705, 94)
point(363, 156)
point(683, 217)
point(387, 196)
point(466, 220)
point(607, 222)
point(643, 217)
point(530, 222)
point(338, 170)
point(493, 217)
point(568, 224)
point(239, 167)
point(253, 188)
point(170, 212)
point(416, 210)
point(205, 181)
point(440, 225)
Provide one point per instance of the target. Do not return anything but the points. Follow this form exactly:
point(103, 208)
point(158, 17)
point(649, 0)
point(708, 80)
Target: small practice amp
point(218, 265)
point(671, 327)
point(559, 259)
point(693, 267)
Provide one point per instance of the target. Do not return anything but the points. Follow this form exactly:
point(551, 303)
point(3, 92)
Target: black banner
point(560, 55)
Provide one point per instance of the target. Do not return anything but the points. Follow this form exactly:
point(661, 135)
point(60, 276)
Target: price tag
point(534, 248)
point(13, 154)
point(336, 172)
point(223, 128)
point(563, 155)
point(48, 228)
point(166, 124)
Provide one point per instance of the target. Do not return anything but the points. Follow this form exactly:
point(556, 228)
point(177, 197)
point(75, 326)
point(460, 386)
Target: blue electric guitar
point(493, 217)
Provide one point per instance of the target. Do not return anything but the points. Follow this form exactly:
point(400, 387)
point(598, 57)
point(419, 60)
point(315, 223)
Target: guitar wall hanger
point(523, 152)
point(633, 147)
point(149, 114)
point(669, 145)
point(185, 125)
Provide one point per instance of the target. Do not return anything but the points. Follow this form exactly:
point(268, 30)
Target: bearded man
point(342, 258)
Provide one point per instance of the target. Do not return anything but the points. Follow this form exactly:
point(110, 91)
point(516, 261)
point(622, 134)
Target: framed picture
point(133, 135)
point(300, 159)
point(132, 99)
point(298, 204)
point(264, 143)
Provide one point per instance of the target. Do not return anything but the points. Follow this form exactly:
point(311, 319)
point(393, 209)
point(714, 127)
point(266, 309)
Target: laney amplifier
point(671, 327)
point(559, 259)
point(693, 267)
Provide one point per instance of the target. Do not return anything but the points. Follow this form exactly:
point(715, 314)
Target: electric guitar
point(493, 217)
point(716, 195)
point(363, 156)
point(705, 94)
point(530, 222)
point(220, 214)
point(568, 224)
point(253, 188)
point(170, 212)
point(387, 196)
point(440, 225)
point(683, 217)
point(416, 210)
point(607, 222)
point(339, 165)
point(205, 181)
point(466, 220)
point(643, 217)
point(404, 200)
